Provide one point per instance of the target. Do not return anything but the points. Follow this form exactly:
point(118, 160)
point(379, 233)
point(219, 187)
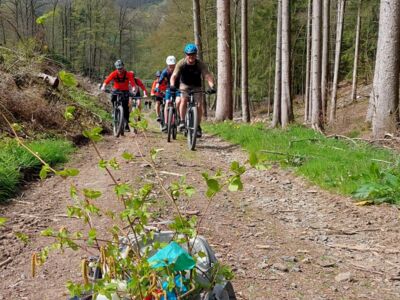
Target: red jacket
point(162, 87)
point(121, 83)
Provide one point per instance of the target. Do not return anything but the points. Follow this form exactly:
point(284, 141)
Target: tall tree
point(224, 108)
point(245, 88)
point(356, 54)
point(325, 55)
point(386, 80)
point(276, 115)
point(198, 41)
point(316, 53)
point(307, 102)
point(339, 34)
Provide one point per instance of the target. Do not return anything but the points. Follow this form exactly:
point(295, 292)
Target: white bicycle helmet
point(171, 60)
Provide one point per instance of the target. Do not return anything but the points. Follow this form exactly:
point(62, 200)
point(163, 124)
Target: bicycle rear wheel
point(175, 124)
point(170, 123)
point(191, 127)
point(118, 122)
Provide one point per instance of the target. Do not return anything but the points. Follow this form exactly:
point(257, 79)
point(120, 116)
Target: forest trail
point(283, 237)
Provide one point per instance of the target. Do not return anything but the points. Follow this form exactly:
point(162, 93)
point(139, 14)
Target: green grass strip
point(88, 102)
point(338, 165)
point(14, 160)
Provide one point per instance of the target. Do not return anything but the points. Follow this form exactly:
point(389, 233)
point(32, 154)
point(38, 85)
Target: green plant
point(133, 268)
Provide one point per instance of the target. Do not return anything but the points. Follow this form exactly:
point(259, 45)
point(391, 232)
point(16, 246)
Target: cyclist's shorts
point(168, 94)
point(157, 98)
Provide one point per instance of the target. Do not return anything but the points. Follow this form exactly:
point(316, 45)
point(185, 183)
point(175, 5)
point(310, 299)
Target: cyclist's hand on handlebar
point(211, 90)
point(103, 87)
point(157, 90)
point(144, 95)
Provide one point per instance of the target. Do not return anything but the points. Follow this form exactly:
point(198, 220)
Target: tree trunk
point(276, 115)
point(356, 54)
point(224, 108)
point(386, 79)
point(325, 56)
point(308, 65)
point(198, 42)
point(245, 88)
point(286, 95)
point(316, 65)
point(339, 34)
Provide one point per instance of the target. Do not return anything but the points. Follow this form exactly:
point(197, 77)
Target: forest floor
point(283, 237)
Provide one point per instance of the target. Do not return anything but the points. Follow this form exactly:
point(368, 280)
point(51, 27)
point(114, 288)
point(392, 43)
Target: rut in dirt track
point(284, 238)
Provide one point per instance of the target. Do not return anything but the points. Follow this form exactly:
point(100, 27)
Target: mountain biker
point(137, 95)
point(191, 71)
point(167, 73)
point(157, 93)
point(121, 79)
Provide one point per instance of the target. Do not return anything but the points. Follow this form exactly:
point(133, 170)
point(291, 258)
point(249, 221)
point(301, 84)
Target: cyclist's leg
point(199, 100)
point(182, 108)
point(125, 105)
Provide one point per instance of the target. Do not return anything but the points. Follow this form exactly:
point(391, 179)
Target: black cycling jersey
point(190, 75)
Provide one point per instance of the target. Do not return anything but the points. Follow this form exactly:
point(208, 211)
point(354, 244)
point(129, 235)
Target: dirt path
point(284, 238)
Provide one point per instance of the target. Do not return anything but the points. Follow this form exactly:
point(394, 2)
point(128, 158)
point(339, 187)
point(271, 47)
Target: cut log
point(50, 80)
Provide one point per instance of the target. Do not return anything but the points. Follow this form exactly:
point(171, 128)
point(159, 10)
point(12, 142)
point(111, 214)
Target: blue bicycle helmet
point(190, 49)
point(158, 74)
point(119, 64)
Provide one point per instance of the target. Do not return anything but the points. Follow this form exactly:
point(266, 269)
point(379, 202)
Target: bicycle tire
point(169, 123)
point(192, 128)
point(175, 125)
point(118, 122)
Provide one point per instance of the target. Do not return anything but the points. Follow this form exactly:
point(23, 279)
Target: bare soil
point(284, 237)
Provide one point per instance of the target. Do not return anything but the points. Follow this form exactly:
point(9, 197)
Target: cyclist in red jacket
point(121, 81)
point(138, 95)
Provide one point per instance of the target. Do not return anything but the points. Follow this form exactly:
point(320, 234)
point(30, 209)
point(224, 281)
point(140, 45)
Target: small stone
point(344, 277)
point(296, 269)
point(280, 267)
point(293, 286)
point(289, 258)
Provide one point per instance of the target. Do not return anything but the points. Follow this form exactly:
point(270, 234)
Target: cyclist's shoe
point(164, 128)
point(181, 126)
point(139, 119)
point(127, 129)
point(199, 132)
point(158, 119)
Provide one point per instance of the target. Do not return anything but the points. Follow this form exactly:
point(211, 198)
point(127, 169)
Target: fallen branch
point(171, 173)
point(337, 136)
point(3, 263)
point(361, 268)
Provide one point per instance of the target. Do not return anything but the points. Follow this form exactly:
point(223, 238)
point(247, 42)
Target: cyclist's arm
point(207, 74)
point(141, 85)
point(108, 80)
point(132, 81)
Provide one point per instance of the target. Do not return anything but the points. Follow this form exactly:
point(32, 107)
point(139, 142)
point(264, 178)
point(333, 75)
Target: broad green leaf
point(128, 156)
point(235, 167)
point(190, 191)
point(47, 232)
point(69, 113)
point(44, 171)
point(91, 194)
point(103, 163)
point(68, 79)
point(68, 173)
point(253, 159)
point(235, 184)
point(213, 187)
point(122, 189)
point(154, 152)
point(93, 134)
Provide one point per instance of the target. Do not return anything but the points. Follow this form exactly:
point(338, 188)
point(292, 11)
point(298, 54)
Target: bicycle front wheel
point(118, 122)
point(170, 124)
point(192, 127)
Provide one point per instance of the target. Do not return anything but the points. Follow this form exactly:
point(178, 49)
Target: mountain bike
point(119, 121)
point(172, 120)
point(192, 118)
point(161, 114)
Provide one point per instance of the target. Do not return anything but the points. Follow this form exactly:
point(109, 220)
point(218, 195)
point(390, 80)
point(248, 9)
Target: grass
point(14, 161)
point(338, 165)
point(88, 102)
